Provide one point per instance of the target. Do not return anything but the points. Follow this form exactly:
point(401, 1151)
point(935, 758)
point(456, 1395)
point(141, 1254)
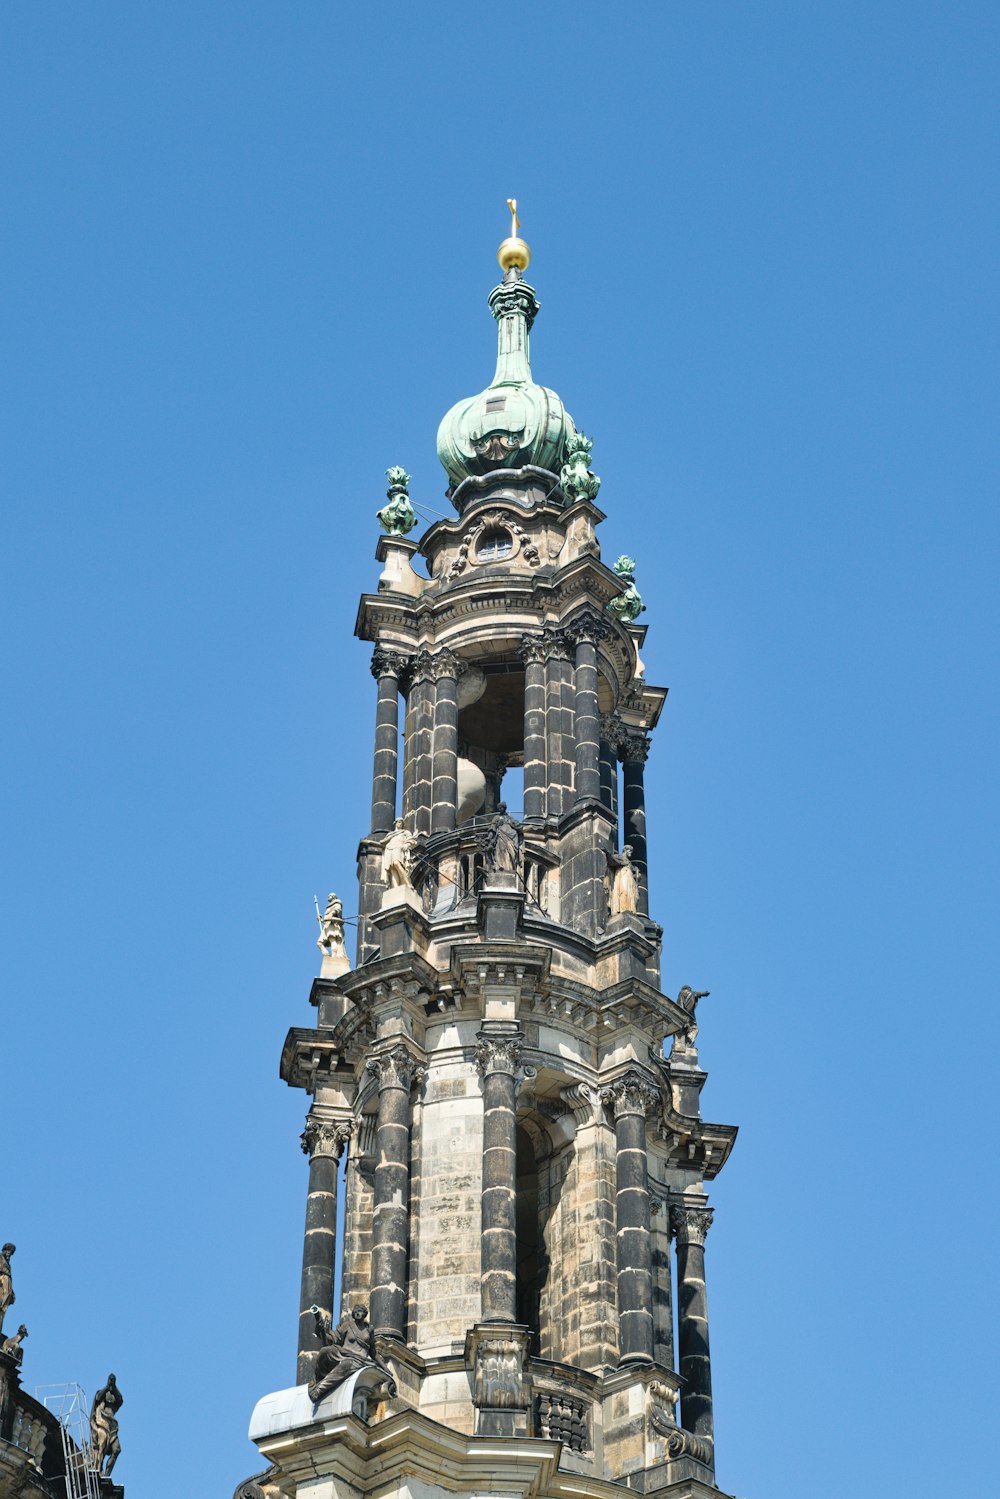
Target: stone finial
point(627, 605)
point(398, 516)
point(575, 478)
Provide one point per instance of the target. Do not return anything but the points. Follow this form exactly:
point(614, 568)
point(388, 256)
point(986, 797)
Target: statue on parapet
point(398, 850)
point(12, 1346)
point(623, 896)
point(346, 1349)
point(7, 1297)
point(331, 927)
point(104, 1444)
point(501, 842)
point(688, 999)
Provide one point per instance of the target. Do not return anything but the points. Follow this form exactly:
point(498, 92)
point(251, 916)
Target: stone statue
point(501, 842)
point(688, 999)
point(331, 927)
point(12, 1346)
point(397, 857)
point(624, 892)
point(104, 1444)
point(627, 605)
point(399, 516)
point(7, 1297)
point(575, 478)
point(348, 1347)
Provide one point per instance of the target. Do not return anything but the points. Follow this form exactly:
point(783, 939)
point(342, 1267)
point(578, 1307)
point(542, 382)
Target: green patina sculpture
point(575, 478)
point(398, 516)
point(627, 605)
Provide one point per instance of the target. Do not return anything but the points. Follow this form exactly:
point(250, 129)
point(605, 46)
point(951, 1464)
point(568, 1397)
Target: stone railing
point(451, 867)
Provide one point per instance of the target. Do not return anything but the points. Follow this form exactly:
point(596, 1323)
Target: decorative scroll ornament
point(630, 1094)
point(575, 478)
point(259, 1486)
point(681, 1443)
point(399, 516)
point(498, 1053)
point(663, 1408)
point(396, 1068)
point(627, 605)
point(484, 527)
point(690, 1225)
point(326, 1137)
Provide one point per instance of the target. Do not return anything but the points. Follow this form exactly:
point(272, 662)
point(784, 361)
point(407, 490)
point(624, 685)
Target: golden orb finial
point(514, 251)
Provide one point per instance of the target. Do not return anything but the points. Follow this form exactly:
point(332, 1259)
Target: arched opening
point(531, 1259)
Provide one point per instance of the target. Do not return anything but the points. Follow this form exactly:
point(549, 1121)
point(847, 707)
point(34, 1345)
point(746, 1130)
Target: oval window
point(494, 546)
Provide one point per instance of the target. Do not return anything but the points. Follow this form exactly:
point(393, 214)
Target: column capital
point(389, 663)
point(633, 748)
point(590, 625)
point(421, 666)
point(533, 648)
point(445, 663)
point(326, 1137)
point(690, 1225)
point(632, 1093)
point(396, 1067)
point(556, 644)
point(498, 1053)
point(612, 729)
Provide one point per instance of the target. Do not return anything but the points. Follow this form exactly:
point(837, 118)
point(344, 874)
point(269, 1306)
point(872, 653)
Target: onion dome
point(513, 422)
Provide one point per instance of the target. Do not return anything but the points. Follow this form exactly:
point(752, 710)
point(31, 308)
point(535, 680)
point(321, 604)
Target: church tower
point(522, 1169)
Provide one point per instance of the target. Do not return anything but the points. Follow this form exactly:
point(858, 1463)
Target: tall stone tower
point(523, 1169)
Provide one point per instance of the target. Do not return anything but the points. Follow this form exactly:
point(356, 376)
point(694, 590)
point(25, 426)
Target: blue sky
point(245, 256)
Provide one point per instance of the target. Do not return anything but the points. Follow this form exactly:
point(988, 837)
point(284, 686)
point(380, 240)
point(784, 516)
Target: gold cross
point(515, 222)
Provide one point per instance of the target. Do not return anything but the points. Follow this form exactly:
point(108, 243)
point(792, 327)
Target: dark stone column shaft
point(422, 693)
point(444, 791)
point(498, 1057)
point(535, 763)
point(588, 764)
point(690, 1225)
point(629, 1097)
point(634, 798)
point(324, 1142)
point(391, 1203)
point(386, 667)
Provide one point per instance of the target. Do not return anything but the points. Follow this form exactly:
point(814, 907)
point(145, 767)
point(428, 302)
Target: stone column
point(634, 749)
point(558, 720)
point(446, 669)
point(689, 1226)
point(629, 1097)
point(387, 668)
point(611, 733)
point(535, 767)
point(323, 1141)
point(585, 630)
point(498, 1057)
point(420, 749)
point(396, 1071)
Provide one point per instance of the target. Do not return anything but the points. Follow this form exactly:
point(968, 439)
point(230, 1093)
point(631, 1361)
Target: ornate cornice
point(498, 1053)
point(632, 1093)
point(690, 1225)
point(326, 1137)
point(389, 663)
point(396, 1068)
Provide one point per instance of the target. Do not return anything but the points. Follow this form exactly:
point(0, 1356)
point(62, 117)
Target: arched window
point(495, 545)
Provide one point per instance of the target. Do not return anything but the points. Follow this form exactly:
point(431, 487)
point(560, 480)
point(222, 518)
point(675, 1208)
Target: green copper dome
point(513, 422)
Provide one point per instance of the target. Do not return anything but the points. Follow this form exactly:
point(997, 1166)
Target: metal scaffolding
point(69, 1403)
